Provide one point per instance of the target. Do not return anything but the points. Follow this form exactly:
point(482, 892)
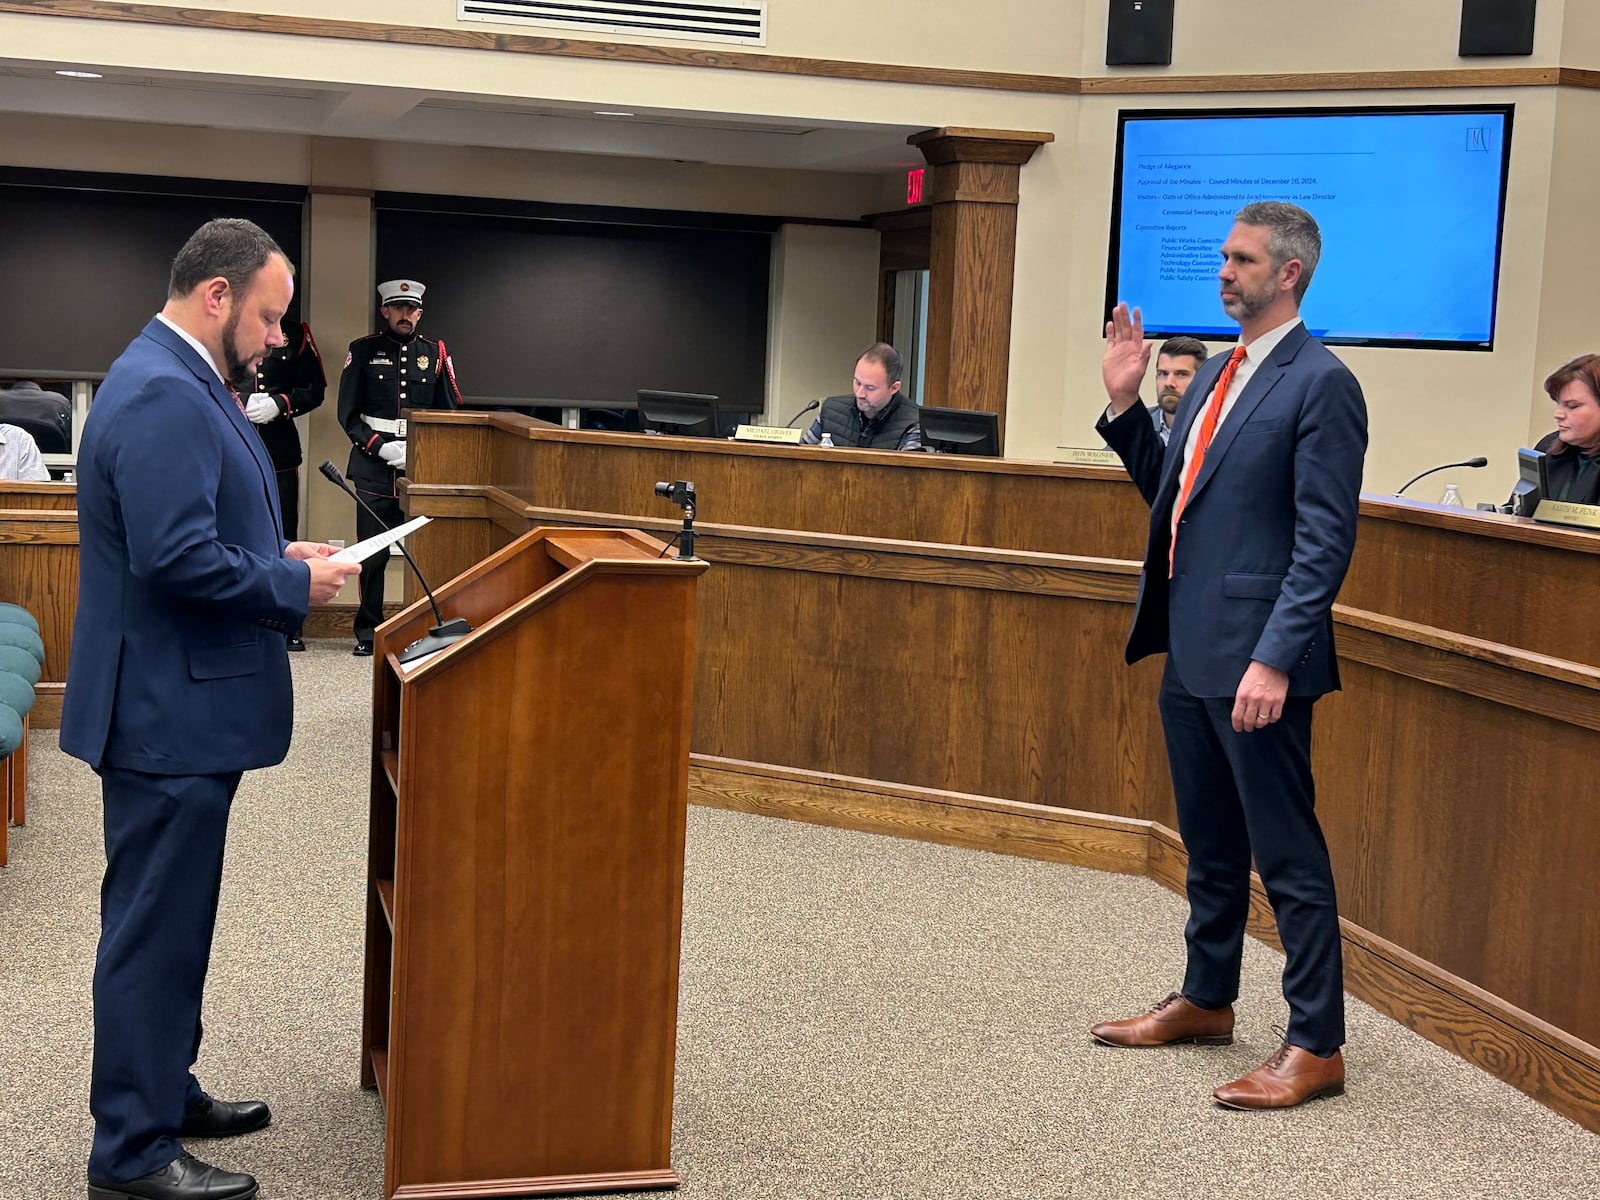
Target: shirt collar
point(199, 349)
point(1258, 351)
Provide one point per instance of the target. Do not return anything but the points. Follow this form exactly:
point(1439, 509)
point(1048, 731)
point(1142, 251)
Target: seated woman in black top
point(1574, 447)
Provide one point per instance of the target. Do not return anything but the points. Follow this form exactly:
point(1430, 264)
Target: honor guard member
point(383, 374)
point(289, 383)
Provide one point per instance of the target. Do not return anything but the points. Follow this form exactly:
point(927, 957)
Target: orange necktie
point(1208, 430)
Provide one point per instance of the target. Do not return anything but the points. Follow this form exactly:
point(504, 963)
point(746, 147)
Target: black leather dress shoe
point(362, 650)
point(297, 642)
point(225, 1119)
point(184, 1178)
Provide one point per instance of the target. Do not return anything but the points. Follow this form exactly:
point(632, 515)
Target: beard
point(235, 370)
point(1168, 400)
point(1246, 305)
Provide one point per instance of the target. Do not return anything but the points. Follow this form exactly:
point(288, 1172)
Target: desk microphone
point(814, 404)
point(444, 632)
point(1480, 461)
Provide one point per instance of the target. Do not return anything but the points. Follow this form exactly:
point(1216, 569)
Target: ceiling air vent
point(707, 21)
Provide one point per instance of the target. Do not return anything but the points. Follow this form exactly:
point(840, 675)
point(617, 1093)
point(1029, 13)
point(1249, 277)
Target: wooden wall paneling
point(954, 671)
point(1478, 855)
point(1008, 504)
point(1478, 575)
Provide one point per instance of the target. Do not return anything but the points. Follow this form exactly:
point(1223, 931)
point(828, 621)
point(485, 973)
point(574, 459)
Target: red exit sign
point(914, 185)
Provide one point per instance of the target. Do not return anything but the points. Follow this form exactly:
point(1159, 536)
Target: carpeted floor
point(861, 1017)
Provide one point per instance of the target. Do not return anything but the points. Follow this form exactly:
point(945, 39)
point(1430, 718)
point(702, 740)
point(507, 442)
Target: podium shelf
point(380, 1072)
point(386, 898)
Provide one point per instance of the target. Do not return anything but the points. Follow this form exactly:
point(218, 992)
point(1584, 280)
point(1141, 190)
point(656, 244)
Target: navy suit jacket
point(1269, 528)
point(178, 658)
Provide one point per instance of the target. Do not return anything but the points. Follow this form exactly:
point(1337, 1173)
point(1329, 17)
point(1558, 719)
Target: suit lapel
point(227, 405)
point(1189, 409)
point(1261, 383)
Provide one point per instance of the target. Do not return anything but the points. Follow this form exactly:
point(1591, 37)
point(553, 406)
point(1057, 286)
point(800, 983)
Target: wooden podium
point(529, 791)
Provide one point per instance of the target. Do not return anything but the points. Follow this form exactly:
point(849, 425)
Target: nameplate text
point(767, 433)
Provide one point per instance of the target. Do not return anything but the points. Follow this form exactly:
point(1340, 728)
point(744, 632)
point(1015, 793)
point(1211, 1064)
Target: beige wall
point(824, 313)
point(1567, 325)
point(1427, 406)
point(1002, 35)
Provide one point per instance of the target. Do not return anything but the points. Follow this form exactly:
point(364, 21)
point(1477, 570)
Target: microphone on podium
point(814, 404)
point(1480, 461)
point(443, 632)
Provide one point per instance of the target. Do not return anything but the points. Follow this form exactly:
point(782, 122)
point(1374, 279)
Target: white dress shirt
point(1256, 353)
point(188, 337)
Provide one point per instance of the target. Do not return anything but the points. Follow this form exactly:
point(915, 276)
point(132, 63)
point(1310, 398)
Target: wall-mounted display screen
point(1411, 203)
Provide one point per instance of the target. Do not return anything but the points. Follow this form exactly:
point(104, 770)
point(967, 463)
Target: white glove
point(260, 408)
point(393, 453)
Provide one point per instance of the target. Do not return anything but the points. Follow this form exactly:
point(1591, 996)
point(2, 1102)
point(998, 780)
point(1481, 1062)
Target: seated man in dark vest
point(877, 416)
point(46, 416)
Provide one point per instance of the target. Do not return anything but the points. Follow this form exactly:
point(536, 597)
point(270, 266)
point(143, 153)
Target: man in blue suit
point(178, 683)
point(1252, 522)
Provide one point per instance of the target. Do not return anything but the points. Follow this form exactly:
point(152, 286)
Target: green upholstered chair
point(20, 662)
point(16, 614)
point(14, 634)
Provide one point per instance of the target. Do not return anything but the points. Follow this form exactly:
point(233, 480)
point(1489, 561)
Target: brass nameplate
point(1082, 456)
point(767, 433)
point(1560, 512)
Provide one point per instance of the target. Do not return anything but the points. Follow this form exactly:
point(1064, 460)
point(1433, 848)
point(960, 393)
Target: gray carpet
point(861, 1017)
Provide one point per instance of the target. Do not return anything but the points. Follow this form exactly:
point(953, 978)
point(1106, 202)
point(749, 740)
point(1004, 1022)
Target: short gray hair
point(1293, 234)
point(230, 247)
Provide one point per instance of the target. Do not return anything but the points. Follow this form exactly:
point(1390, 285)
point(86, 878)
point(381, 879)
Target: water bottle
point(827, 440)
point(1452, 497)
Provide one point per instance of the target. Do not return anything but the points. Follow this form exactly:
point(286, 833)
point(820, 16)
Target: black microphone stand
point(681, 493)
point(443, 632)
point(814, 404)
point(1474, 463)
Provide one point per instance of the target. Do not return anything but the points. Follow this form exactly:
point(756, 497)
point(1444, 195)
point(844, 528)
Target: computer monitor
point(687, 414)
point(961, 431)
point(1533, 482)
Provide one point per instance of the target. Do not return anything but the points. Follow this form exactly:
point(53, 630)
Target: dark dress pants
point(1239, 793)
point(289, 509)
point(369, 613)
point(158, 906)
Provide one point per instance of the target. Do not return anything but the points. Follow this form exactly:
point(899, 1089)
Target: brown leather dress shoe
point(1291, 1076)
point(1172, 1022)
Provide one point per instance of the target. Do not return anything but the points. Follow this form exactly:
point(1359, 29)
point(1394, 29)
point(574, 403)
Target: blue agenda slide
point(1410, 206)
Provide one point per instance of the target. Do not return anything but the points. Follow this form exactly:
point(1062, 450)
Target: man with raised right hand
point(1252, 523)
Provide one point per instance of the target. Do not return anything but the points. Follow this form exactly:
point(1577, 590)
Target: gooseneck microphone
point(443, 632)
point(1480, 461)
point(790, 423)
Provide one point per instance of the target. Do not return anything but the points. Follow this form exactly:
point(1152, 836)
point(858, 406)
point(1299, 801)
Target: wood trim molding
point(1021, 571)
point(1555, 1068)
point(1552, 688)
point(924, 814)
point(47, 698)
point(1322, 81)
point(816, 68)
